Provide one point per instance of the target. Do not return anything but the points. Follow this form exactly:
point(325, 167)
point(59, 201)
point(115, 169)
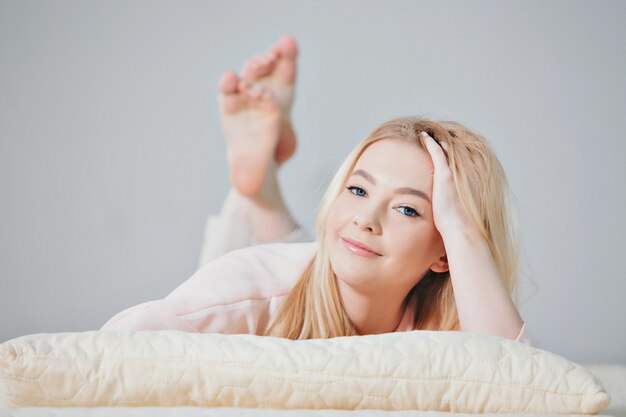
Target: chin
point(351, 269)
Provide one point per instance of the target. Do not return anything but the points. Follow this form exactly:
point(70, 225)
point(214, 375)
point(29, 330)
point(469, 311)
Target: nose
point(367, 222)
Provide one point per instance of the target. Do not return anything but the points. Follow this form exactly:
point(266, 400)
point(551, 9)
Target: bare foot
point(276, 70)
point(251, 123)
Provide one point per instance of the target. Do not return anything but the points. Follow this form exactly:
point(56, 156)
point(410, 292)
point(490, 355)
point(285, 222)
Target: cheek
point(338, 216)
point(415, 246)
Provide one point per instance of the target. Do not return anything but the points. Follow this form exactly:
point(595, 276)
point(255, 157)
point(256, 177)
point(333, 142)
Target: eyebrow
point(401, 190)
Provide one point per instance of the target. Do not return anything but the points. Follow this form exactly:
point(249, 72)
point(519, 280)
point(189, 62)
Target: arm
point(153, 315)
point(203, 302)
point(483, 302)
point(235, 293)
point(482, 299)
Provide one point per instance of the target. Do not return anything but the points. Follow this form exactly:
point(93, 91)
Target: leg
point(268, 218)
point(255, 116)
point(245, 222)
point(252, 122)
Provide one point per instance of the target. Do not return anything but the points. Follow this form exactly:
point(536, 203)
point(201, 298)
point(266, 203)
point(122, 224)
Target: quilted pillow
point(420, 370)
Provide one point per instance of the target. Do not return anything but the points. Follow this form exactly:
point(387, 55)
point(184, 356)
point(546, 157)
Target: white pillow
point(420, 370)
point(613, 377)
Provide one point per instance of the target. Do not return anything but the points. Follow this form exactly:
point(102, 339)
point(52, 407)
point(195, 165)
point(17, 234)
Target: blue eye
point(411, 211)
point(352, 188)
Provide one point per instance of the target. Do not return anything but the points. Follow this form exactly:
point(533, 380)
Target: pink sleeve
point(153, 315)
point(524, 336)
point(235, 293)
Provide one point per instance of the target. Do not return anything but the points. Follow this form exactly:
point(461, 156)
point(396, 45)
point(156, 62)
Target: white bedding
point(613, 378)
point(431, 371)
point(241, 412)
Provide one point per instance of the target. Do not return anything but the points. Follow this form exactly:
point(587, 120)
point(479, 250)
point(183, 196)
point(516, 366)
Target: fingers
point(437, 152)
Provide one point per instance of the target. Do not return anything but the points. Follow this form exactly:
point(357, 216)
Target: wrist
point(462, 236)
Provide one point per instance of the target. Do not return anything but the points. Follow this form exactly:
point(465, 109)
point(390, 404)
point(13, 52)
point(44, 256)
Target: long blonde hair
point(313, 308)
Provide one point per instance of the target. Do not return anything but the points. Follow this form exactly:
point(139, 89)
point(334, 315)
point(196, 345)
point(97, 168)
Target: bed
point(161, 373)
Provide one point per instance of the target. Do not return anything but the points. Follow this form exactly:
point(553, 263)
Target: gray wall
point(111, 155)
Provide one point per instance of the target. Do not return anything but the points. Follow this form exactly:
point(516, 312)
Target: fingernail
point(424, 134)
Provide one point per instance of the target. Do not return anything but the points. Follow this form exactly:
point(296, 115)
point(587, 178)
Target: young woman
point(413, 232)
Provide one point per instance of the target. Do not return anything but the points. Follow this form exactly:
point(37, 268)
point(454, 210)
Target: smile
point(358, 249)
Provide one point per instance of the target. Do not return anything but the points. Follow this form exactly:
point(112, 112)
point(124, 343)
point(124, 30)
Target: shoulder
point(251, 273)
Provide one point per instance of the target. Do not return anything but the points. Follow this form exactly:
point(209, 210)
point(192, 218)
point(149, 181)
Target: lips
point(360, 245)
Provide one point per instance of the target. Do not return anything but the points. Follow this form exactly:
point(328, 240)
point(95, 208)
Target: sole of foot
point(251, 123)
point(276, 70)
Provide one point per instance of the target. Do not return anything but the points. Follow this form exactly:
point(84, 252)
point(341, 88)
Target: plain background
point(111, 156)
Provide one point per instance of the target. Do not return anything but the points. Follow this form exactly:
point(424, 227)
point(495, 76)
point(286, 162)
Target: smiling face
point(385, 205)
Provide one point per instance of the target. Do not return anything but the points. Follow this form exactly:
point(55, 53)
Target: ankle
point(268, 215)
point(270, 223)
point(269, 196)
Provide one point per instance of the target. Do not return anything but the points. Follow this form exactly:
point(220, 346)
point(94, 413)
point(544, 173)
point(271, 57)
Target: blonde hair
point(313, 308)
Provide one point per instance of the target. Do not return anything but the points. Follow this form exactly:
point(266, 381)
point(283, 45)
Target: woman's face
point(385, 205)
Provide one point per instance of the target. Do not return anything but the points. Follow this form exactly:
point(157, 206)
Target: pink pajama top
point(236, 292)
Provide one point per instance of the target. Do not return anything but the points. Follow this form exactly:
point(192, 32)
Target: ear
point(440, 265)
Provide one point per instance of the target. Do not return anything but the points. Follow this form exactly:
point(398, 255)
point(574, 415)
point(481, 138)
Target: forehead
point(396, 161)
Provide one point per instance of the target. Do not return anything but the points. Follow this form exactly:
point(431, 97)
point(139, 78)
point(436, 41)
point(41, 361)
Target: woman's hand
point(449, 214)
point(482, 299)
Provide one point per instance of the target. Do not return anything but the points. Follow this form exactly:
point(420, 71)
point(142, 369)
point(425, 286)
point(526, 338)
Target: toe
point(269, 64)
point(243, 85)
point(230, 93)
point(287, 47)
point(287, 51)
point(229, 83)
point(251, 69)
point(266, 58)
point(260, 66)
